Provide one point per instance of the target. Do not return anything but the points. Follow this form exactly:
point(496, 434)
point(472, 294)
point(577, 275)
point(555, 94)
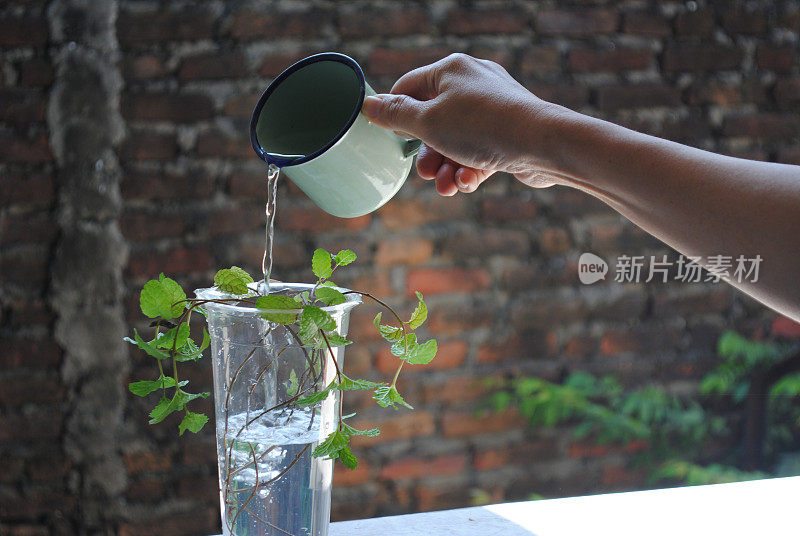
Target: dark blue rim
point(325, 56)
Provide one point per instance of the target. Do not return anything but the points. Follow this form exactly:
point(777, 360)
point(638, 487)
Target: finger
point(468, 179)
point(419, 83)
point(445, 179)
point(395, 112)
point(428, 162)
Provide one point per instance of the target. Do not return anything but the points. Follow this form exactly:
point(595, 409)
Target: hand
point(473, 118)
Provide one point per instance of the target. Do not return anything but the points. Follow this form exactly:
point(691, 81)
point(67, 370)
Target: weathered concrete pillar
point(86, 284)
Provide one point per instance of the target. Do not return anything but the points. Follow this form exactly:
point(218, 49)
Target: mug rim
point(323, 56)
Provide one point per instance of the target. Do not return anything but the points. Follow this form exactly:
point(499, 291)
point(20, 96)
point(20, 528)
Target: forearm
point(698, 202)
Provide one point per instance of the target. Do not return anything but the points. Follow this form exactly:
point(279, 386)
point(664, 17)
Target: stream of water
point(266, 262)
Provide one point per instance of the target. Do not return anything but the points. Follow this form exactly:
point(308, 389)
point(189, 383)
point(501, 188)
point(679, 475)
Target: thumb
point(396, 112)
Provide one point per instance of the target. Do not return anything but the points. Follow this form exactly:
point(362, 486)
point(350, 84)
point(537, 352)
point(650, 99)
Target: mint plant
point(164, 301)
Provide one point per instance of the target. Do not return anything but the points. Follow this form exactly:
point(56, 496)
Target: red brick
point(555, 240)
point(45, 503)
point(30, 353)
point(375, 22)
point(396, 62)
point(615, 59)
point(507, 209)
point(576, 23)
point(148, 145)
point(414, 468)
point(30, 390)
point(642, 96)
point(36, 72)
point(149, 490)
point(489, 242)
point(379, 284)
point(451, 354)
point(218, 144)
point(744, 21)
point(701, 57)
point(441, 497)
point(517, 453)
point(165, 25)
point(485, 21)
point(580, 346)
point(454, 390)
point(696, 23)
point(620, 476)
point(29, 228)
point(16, 149)
point(178, 261)
point(403, 426)
point(146, 462)
point(153, 185)
point(142, 225)
point(405, 214)
point(144, 67)
point(441, 280)
point(785, 327)
point(313, 220)
point(460, 423)
point(36, 426)
point(25, 313)
point(647, 24)
point(777, 126)
point(22, 106)
point(180, 108)
point(540, 60)
point(407, 251)
point(362, 474)
point(546, 311)
point(212, 65)
point(569, 95)
point(202, 488)
point(242, 105)
point(524, 346)
point(275, 63)
point(780, 59)
point(789, 155)
point(787, 90)
point(198, 521)
point(26, 267)
point(237, 220)
point(271, 24)
point(23, 31)
point(452, 320)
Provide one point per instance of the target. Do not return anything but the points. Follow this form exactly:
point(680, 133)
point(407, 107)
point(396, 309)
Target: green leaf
point(233, 280)
point(315, 398)
point(321, 264)
point(422, 354)
point(178, 402)
point(292, 384)
point(344, 257)
point(387, 396)
point(330, 296)
point(162, 297)
point(276, 302)
point(420, 314)
point(347, 458)
point(332, 444)
point(193, 422)
point(168, 339)
point(403, 347)
point(390, 333)
point(149, 348)
point(144, 388)
point(334, 339)
point(349, 384)
point(372, 432)
point(313, 319)
point(192, 352)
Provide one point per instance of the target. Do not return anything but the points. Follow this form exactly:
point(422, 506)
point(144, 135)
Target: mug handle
point(411, 147)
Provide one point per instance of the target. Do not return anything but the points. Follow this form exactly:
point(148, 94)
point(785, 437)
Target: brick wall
point(124, 152)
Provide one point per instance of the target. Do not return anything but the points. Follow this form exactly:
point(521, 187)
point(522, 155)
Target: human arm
point(475, 120)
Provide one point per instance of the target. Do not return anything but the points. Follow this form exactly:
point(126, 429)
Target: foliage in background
point(682, 433)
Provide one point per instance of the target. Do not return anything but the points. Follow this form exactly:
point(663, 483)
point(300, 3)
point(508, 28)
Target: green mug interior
point(307, 109)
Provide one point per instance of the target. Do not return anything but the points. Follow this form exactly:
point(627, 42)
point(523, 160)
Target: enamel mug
point(309, 123)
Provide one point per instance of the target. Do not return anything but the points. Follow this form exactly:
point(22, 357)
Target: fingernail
point(372, 106)
point(460, 183)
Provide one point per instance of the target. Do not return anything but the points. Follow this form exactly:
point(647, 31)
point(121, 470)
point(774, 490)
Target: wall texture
point(124, 153)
